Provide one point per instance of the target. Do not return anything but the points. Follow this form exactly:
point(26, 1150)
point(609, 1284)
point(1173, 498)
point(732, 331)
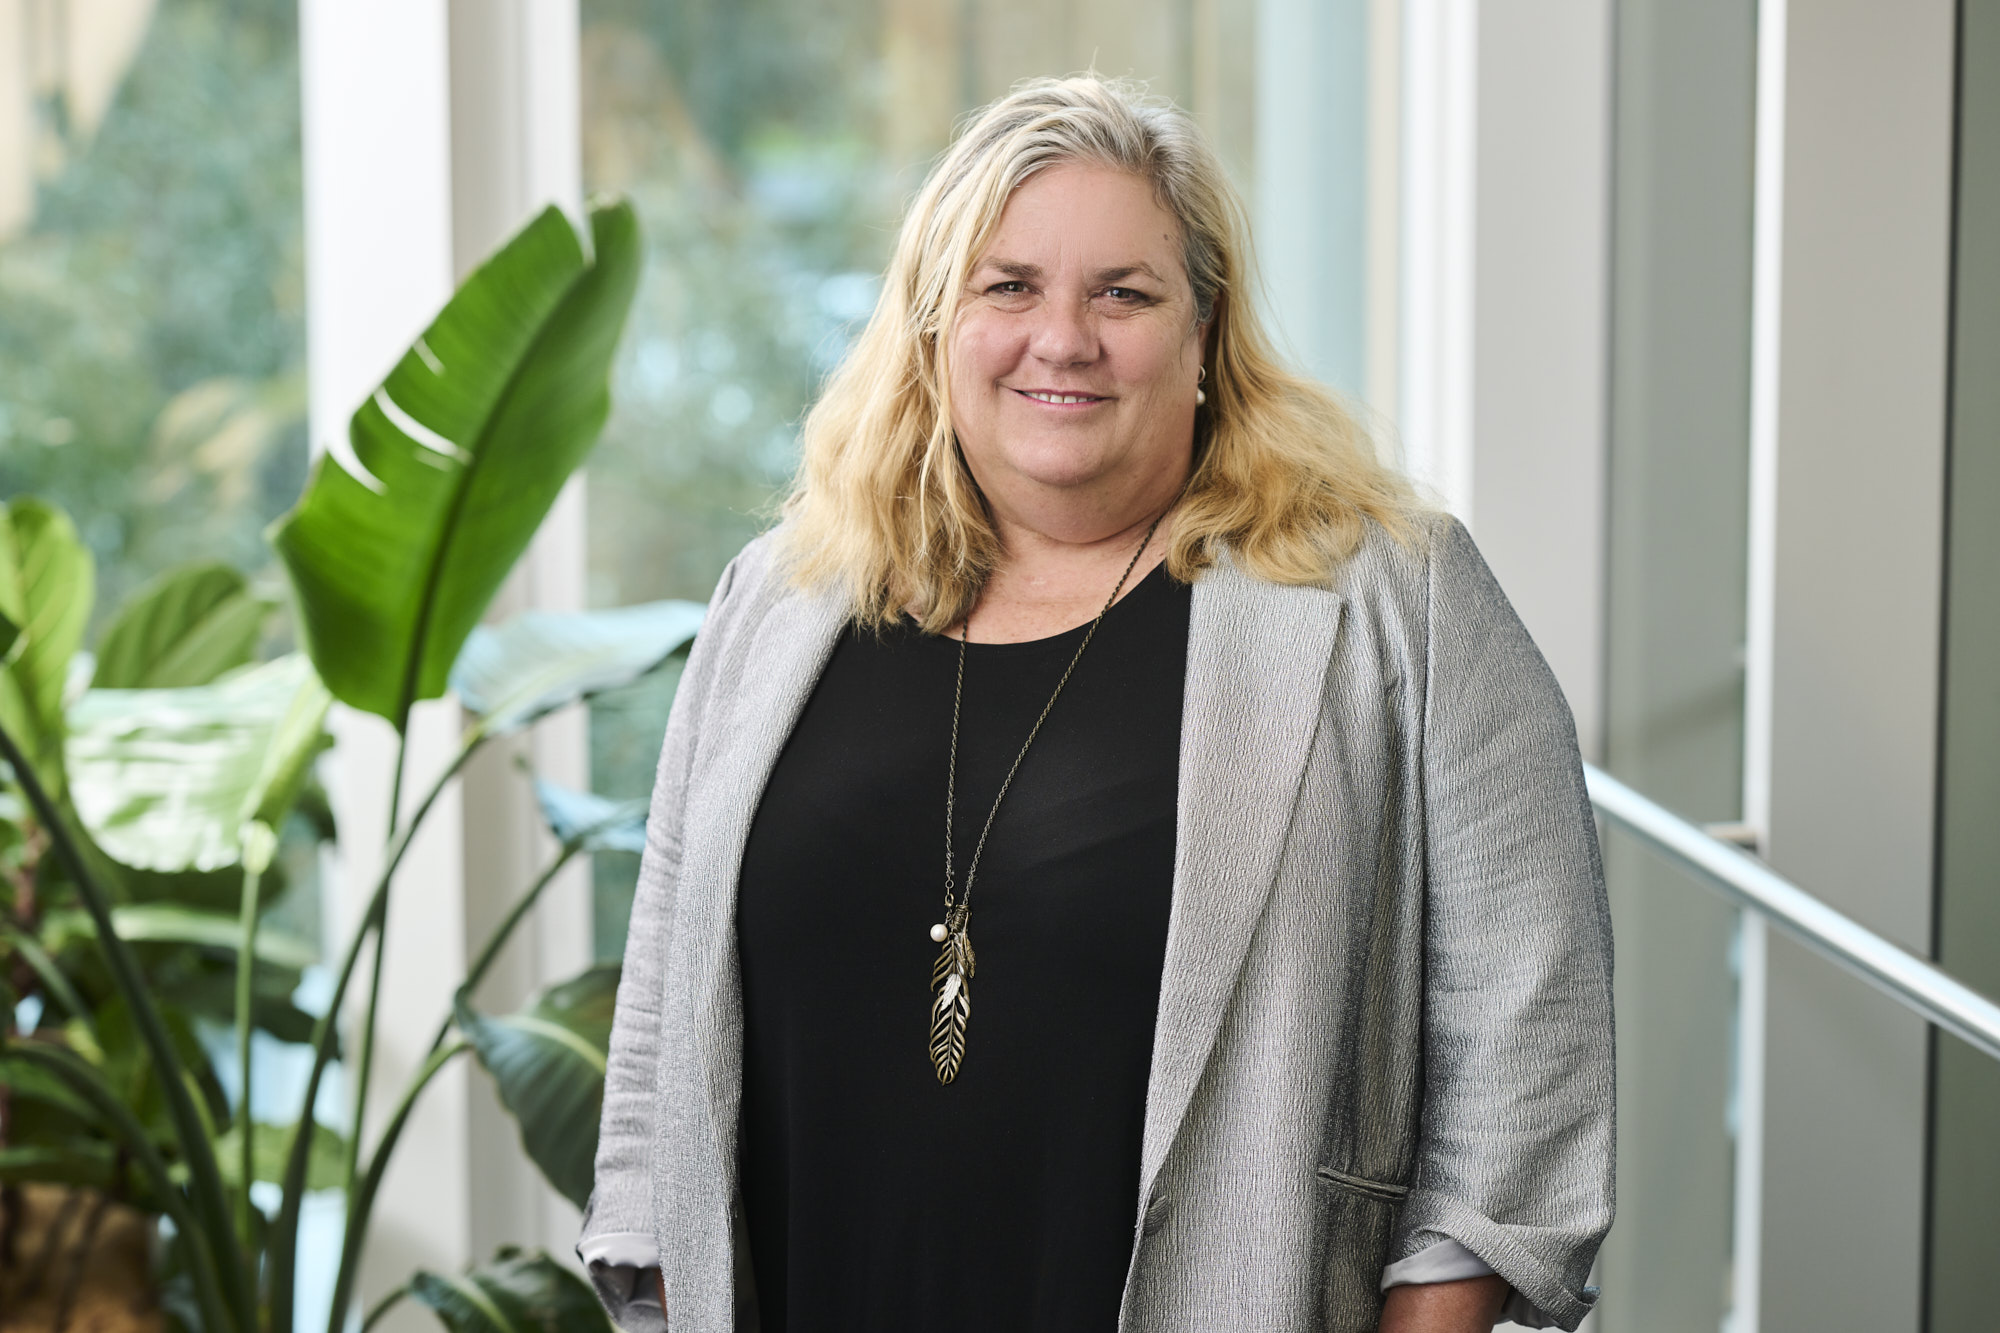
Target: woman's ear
point(1206, 329)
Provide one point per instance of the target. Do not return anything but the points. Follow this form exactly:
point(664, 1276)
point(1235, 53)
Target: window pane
point(152, 330)
point(152, 321)
point(770, 146)
point(1678, 566)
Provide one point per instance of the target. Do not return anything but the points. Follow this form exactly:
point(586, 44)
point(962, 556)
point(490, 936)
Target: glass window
point(152, 292)
point(152, 321)
point(770, 146)
point(1678, 566)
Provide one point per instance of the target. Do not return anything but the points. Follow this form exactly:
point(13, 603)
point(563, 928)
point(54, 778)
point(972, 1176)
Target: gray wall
point(1853, 519)
point(1676, 550)
point(1965, 1170)
point(1541, 223)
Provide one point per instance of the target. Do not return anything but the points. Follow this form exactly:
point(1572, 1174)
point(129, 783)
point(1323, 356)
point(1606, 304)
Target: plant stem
point(204, 1179)
point(256, 855)
point(283, 1251)
point(89, 1084)
point(51, 976)
point(383, 1306)
point(364, 1065)
point(500, 934)
point(363, 1201)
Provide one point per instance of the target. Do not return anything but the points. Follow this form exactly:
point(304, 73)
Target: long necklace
point(951, 976)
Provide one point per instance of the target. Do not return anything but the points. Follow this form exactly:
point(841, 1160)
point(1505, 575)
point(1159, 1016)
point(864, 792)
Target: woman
point(1093, 637)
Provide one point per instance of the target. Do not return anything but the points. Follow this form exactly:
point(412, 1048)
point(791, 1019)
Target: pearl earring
point(1200, 396)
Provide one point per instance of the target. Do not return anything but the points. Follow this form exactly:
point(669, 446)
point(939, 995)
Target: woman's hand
point(1469, 1305)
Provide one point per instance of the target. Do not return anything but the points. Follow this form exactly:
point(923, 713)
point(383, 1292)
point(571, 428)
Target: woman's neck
point(1048, 582)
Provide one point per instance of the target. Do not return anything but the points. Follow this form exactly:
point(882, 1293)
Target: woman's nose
point(1064, 334)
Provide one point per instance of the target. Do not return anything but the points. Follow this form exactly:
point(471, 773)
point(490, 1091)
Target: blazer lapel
point(1257, 661)
point(775, 671)
point(778, 672)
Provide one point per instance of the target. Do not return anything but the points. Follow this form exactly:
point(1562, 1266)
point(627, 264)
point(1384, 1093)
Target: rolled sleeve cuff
point(1541, 1298)
point(1442, 1260)
point(621, 1266)
point(1445, 1260)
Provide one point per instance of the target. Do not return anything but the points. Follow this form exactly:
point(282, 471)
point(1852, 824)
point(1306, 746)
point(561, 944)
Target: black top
point(875, 1197)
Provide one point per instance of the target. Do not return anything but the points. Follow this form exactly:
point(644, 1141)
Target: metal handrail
point(1748, 882)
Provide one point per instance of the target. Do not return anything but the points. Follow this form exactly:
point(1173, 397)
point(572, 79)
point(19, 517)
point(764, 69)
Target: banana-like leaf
point(76, 1162)
point(10, 633)
point(326, 1159)
point(548, 1062)
point(541, 660)
point(604, 825)
point(167, 779)
point(28, 1083)
point(513, 1293)
point(205, 987)
point(171, 923)
point(408, 527)
point(54, 982)
point(46, 585)
point(186, 627)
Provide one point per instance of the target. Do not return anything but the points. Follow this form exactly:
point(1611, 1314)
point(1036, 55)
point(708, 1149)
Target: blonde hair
point(882, 505)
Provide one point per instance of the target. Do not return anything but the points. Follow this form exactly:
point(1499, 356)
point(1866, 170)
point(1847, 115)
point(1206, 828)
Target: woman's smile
point(1062, 398)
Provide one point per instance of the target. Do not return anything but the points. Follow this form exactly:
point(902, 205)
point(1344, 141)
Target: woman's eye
point(1014, 288)
point(1125, 295)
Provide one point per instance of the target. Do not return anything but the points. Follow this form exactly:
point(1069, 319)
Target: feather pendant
point(951, 1005)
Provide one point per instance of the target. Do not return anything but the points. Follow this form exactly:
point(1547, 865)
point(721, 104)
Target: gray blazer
point(1385, 1016)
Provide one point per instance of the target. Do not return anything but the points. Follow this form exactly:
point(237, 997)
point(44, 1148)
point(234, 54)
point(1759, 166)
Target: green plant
point(148, 814)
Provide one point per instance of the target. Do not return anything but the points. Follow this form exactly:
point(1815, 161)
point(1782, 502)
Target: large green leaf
point(46, 587)
point(514, 1293)
point(408, 527)
point(326, 1162)
point(186, 627)
point(27, 1083)
point(171, 923)
point(167, 779)
point(604, 825)
point(54, 982)
point(76, 1162)
point(548, 1062)
point(540, 660)
point(57, 1137)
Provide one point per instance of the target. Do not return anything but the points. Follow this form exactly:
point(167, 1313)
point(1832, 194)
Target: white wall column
point(433, 130)
point(516, 148)
point(1852, 276)
point(1506, 219)
point(377, 147)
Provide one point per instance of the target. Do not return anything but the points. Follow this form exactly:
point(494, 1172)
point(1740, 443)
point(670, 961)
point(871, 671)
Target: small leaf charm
point(951, 987)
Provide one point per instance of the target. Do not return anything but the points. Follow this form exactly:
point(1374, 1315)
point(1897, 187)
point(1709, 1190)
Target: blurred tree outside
point(770, 146)
point(747, 135)
point(152, 306)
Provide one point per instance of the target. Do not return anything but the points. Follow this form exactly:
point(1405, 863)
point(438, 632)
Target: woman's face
point(1074, 358)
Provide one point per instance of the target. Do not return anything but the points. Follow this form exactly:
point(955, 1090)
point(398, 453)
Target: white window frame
point(432, 129)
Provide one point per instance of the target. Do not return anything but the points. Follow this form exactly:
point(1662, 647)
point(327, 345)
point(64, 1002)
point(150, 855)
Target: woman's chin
point(1061, 465)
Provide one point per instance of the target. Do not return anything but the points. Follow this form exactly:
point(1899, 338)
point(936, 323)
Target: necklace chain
point(959, 904)
point(951, 975)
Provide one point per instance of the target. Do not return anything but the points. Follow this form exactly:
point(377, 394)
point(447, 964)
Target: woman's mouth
point(1056, 399)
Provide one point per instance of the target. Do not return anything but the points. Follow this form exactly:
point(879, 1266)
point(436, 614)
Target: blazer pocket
point(1360, 1222)
point(1348, 1183)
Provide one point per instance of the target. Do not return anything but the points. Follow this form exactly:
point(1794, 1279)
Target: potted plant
point(148, 819)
